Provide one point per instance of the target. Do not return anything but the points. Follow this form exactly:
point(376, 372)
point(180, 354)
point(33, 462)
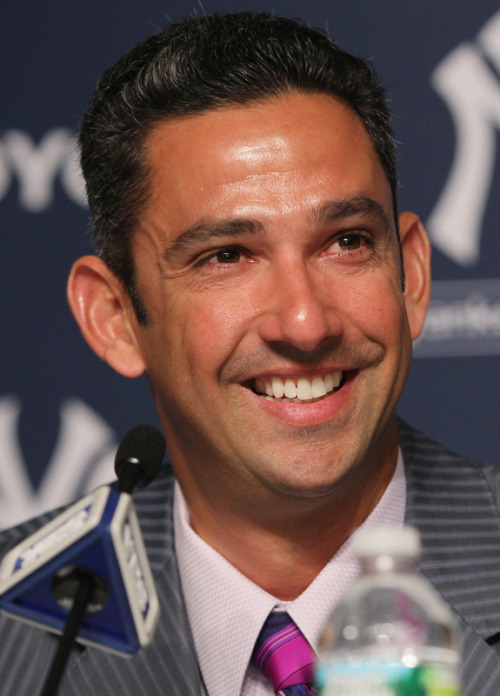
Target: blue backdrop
point(62, 411)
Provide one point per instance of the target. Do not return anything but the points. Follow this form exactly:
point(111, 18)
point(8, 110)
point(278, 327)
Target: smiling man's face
point(279, 337)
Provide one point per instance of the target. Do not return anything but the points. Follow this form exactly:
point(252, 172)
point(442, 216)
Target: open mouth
point(299, 390)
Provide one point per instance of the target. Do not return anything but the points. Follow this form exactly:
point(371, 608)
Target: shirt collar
point(226, 610)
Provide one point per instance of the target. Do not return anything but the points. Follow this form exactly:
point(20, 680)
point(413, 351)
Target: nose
point(299, 308)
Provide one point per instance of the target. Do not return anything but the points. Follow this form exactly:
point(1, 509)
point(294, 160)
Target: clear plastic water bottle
point(391, 634)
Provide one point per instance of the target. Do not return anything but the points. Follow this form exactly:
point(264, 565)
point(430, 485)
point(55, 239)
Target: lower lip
point(312, 413)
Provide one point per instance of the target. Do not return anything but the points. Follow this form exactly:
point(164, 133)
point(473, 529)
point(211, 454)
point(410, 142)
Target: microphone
point(95, 542)
point(139, 457)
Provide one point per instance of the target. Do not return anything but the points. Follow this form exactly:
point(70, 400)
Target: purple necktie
point(284, 656)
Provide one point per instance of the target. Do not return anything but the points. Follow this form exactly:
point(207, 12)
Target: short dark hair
point(200, 64)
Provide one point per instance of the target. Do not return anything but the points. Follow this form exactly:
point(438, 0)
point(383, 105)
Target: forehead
point(272, 157)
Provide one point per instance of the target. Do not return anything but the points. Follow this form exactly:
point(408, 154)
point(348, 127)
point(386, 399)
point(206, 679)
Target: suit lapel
point(451, 503)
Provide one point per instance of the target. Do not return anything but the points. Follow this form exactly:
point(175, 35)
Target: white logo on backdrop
point(471, 90)
point(37, 166)
point(464, 315)
point(463, 319)
point(83, 459)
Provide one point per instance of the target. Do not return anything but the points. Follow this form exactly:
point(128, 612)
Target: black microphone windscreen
point(143, 446)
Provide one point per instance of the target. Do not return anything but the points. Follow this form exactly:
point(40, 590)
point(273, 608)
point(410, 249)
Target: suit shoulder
point(418, 446)
point(428, 463)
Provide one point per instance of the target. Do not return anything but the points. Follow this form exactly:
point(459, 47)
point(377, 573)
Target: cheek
point(208, 330)
point(381, 314)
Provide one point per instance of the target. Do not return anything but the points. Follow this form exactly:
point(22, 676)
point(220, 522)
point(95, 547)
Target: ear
point(416, 251)
point(103, 311)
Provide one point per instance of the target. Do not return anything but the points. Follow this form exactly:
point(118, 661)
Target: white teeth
point(298, 389)
point(304, 389)
point(278, 388)
point(329, 382)
point(318, 387)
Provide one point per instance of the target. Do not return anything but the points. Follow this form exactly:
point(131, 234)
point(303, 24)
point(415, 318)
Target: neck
point(282, 542)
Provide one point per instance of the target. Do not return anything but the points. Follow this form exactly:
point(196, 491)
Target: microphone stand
point(80, 590)
point(80, 587)
point(86, 585)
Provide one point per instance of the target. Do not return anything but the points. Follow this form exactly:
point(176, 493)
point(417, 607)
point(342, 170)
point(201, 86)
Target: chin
point(310, 484)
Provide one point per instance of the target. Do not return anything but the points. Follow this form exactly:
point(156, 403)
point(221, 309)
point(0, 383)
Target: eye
point(351, 242)
point(225, 256)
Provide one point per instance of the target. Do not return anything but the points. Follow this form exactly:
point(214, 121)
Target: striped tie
point(284, 656)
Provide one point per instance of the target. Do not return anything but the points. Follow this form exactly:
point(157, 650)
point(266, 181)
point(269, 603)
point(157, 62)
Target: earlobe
point(416, 251)
point(101, 307)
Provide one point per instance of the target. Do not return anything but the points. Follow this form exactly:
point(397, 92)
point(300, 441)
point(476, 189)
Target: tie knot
point(284, 656)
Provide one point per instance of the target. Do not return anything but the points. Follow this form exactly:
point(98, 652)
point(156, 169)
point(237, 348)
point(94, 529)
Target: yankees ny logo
point(468, 83)
point(82, 460)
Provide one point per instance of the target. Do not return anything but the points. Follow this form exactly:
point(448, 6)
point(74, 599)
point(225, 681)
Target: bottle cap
point(387, 541)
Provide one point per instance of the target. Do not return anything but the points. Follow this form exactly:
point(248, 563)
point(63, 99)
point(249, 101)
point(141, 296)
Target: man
point(241, 180)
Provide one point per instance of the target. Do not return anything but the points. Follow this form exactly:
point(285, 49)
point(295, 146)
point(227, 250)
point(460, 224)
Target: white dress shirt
point(226, 610)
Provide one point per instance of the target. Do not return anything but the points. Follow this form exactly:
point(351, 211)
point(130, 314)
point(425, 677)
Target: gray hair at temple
point(194, 66)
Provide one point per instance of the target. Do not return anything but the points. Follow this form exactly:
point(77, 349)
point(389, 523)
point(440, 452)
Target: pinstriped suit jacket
point(453, 502)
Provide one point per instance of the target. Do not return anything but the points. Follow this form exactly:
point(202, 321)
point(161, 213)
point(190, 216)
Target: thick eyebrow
point(204, 231)
point(332, 211)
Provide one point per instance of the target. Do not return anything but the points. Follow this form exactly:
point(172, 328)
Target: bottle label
point(373, 678)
